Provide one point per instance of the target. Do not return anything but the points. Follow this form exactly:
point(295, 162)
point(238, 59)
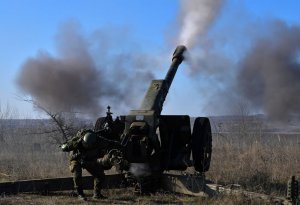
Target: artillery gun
point(154, 143)
point(151, 144)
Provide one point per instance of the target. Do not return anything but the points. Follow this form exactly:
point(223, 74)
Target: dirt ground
point(121, 196)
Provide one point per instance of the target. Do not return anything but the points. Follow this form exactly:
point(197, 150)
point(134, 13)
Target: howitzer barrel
point(158, 89)
point(176, 61)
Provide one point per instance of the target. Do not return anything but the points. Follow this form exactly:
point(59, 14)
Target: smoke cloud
point(248, 61)
point(245, 61)
point(269, 75)
point(80, 79)
point(196, 16)
point(140, 169)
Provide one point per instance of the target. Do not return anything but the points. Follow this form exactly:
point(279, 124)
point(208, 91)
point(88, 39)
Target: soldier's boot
point(97, 193)
point(99, 196)
point(97, 188)
point(80, 194)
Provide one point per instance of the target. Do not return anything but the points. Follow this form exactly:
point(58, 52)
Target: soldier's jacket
point(78, 152)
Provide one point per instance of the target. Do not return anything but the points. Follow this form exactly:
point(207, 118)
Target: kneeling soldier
point(87, 148)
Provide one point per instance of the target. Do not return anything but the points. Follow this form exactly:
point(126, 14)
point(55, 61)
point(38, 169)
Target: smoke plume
point(269, 75)
point(245, 61)
point(195, 18)
point(250, 61)
point(80, 79)
point(140, 169)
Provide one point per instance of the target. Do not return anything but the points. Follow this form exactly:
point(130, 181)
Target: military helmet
point(89, 140)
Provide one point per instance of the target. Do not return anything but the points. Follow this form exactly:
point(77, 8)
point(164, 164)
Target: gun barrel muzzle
point(178, 53)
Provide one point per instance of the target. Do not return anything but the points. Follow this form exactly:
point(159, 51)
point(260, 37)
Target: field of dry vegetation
point(258, 161)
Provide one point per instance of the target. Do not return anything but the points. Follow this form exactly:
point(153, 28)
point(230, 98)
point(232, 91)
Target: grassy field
point(125, 196)
point(260, 165)
point(260, 162)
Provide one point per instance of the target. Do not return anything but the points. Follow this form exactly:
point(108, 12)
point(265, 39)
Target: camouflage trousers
point(93, 168)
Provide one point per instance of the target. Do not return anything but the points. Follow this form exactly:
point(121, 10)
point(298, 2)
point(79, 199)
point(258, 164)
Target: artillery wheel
point(201, 144)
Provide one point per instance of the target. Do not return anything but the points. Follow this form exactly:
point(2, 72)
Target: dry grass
point(255, 161)
point(124, 196)
point(20, 159)
point(262, 165)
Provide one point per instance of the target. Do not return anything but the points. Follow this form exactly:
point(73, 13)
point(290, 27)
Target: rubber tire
point(201, 144)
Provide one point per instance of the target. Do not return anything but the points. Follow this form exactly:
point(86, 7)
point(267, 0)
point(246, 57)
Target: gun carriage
point(154, 143)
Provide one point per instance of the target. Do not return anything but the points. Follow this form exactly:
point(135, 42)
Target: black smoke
point(242, 60)
point(269, 74)
point(88, 72)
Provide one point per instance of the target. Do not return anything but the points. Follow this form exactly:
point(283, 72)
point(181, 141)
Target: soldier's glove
point(113, 158)
point(64, 147)
point(105, 161)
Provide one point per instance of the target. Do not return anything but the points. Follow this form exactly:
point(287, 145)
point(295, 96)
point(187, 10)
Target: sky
point(31, 26)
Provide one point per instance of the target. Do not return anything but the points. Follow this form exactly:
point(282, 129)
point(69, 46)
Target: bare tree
point(63, 123)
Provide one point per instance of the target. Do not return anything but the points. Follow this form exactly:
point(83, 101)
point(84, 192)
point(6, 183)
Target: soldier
point(86, 150)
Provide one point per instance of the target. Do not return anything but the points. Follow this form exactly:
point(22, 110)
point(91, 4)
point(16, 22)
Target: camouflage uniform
point(95, 169)
point(80, 158)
